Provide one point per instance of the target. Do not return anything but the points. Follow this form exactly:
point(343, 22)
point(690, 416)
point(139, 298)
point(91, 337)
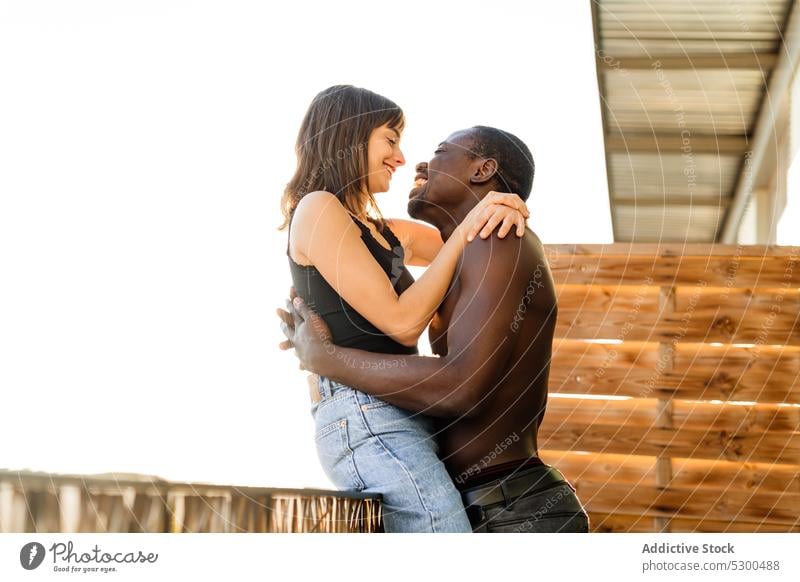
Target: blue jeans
point(368, 445)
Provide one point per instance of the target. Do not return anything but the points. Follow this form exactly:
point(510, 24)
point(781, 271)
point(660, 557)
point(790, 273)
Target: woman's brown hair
point(332, 148)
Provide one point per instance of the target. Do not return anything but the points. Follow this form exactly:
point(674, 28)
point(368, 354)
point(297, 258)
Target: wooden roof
point(681, 84)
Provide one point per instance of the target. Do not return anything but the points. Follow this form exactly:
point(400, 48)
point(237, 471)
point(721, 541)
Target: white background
point(144, 147)
point(466, 558)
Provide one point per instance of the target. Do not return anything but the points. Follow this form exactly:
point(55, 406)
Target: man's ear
point(484, 171)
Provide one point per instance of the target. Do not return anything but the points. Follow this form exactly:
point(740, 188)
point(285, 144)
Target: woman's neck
point(362, 215)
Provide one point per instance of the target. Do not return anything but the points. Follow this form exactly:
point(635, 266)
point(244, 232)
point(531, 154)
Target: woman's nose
point(400, 159)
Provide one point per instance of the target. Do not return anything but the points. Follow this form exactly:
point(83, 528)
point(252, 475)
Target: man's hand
point(307, 332)
point(287, 319)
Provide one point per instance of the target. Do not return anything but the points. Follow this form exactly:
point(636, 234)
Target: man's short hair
point(514, 159)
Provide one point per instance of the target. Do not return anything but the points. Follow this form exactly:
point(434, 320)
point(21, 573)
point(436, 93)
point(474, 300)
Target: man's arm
point(493, 286)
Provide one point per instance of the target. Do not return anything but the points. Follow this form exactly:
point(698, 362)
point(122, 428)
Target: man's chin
point(416, 208)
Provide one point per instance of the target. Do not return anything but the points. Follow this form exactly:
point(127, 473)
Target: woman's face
point(383, 158)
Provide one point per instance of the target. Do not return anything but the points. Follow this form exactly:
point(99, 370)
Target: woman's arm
point(323, 232)
point(421, 242)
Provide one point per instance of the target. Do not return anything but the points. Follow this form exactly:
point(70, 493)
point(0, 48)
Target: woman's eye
point(393, 142)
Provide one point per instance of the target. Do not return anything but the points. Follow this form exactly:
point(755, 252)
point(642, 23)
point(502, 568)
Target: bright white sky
point(143, 150)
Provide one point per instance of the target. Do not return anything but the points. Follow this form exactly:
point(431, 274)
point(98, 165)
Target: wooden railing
point(41, 502)
point(675, 385)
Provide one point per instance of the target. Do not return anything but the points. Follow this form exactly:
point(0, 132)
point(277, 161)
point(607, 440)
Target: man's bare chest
point(437, 333)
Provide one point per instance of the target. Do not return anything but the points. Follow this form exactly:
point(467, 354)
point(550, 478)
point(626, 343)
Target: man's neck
point(447, 219)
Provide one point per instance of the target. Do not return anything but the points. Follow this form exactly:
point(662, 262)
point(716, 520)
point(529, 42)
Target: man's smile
point(420, 181)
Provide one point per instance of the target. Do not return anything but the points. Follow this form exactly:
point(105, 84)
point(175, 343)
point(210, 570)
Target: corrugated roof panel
point(661, 176)
point(639, 223)
point(706, 101)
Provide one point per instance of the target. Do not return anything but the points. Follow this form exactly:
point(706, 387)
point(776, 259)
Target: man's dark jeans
point(555, 508)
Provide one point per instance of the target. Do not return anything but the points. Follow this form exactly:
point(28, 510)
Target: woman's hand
point(496, 208)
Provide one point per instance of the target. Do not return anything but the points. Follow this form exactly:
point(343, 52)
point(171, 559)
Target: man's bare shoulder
point(498, 266)
point(509, 255)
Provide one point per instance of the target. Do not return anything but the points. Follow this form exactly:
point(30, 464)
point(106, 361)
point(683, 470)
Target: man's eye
point(438, 151)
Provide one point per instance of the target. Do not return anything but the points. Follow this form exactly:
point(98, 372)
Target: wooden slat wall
point(675, 385)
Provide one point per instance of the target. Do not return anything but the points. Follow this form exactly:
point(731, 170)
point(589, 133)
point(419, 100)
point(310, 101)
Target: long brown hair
point(332, 148)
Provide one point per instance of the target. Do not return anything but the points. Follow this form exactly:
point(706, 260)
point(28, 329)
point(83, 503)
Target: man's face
point(444, 181)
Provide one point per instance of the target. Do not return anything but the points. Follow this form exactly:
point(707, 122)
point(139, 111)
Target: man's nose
point(422, 167)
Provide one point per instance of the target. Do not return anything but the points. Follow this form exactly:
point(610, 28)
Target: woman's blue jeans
point(368, 445)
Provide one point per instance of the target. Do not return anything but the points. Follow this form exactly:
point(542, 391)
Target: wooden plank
point(710, 526)
point(759, 373)
point(728, 475)
point(700, 314)
point(672, 250)
point(701, 372)
point(698, 503)
point(751, 61)
point(636, 47)
point(743, 446)
point(727, 272)
point(687, 473)
point(623, 523)
point(635, 412)
point(671, 200)
point(602, 467)
point(672, 143)
point(753, 419)
point(619, 523)
point(701, 35)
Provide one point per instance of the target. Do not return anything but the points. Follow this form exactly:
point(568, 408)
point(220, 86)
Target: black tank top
point(348, 327)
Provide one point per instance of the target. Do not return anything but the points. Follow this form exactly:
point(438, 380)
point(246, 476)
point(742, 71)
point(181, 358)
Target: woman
point(351, 268)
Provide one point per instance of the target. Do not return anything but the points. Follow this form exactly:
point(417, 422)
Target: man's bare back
point(505, 428)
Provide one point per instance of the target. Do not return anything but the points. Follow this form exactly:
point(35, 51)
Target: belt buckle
point(313, 388)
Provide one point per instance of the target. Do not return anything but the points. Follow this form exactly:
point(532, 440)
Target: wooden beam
point(715, 271)
point(616, 522)
point(601, 101)
point(693, 201)
point(739, 446)
point(734, 145)
point(666, 357)
point(747, 61)
point(701, 372)
point(698, 503)
point(557, 252)
point(768, 119)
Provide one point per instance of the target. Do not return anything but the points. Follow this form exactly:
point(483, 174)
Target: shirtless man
point(493, 337)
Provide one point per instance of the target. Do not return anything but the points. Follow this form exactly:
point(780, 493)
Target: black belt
point(505, 490)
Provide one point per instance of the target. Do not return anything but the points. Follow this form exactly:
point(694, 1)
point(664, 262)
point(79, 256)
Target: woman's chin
point(379, 188)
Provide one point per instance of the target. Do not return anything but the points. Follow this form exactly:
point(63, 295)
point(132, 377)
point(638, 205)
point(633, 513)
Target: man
point(493, 336)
